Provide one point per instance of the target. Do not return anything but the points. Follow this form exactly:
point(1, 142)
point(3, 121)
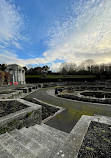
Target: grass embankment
point(74, 110)
point(60, 76)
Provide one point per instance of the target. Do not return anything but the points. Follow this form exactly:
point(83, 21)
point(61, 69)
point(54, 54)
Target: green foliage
point(61, 76)
point(89, 148)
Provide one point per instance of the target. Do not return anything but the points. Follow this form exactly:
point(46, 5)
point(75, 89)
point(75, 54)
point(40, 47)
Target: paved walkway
point(66, 120)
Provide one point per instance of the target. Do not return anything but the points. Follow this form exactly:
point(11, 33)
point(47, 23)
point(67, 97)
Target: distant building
point(17, 74)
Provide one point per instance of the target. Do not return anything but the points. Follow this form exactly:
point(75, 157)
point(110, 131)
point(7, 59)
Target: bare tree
point(87, 64)
point(2, 77)
point(7, 77)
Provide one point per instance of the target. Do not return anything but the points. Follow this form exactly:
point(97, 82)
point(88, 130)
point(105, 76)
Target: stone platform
point(42, 141)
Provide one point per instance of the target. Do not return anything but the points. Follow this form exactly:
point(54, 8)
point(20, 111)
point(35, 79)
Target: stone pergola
point(17, 73)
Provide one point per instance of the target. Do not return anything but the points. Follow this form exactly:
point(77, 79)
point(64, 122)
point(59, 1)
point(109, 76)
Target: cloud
point(55, 67)
point(11, 25)
point(84, 32)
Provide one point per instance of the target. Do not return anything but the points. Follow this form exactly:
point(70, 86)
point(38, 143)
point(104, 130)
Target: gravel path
point(66, 120)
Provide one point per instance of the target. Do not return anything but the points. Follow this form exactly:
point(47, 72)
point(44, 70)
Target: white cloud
point(11, 24)
point(55, 67)
point(83, 33)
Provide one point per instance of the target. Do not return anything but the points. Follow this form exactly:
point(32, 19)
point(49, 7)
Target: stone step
point(50, 137)
point(51, 131)
point(44, 139)
point(31, 145)
point(4, 153)
point(62, 135)
point(46, 135)
point(15, 147)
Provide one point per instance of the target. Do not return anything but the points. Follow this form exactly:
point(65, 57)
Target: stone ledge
point(49, 105)
point(11, 95)
point(73, 142)
point(26, 117)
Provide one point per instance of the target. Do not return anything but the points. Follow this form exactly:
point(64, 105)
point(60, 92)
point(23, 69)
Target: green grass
point(61, 76)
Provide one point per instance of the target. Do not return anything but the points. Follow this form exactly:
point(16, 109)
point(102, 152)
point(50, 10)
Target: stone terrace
point(42, 141)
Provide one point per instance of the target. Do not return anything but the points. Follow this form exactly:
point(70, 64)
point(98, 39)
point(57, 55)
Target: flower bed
point(18, 113)
point(8, 107)
point(97, 141)
point(97, 94)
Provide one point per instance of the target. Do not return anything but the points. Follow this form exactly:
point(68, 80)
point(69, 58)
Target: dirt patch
point(8, 107)
point(97, 141)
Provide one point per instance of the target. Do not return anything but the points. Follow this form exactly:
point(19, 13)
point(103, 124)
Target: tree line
point(37, 70)
point(88, 67)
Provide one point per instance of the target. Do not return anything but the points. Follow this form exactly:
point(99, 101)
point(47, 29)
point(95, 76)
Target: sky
point(51, 32)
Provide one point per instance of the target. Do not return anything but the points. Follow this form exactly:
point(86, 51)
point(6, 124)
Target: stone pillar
point(21, 78)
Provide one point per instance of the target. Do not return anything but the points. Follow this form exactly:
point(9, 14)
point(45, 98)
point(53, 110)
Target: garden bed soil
point(8, 107)
point(97, 141)
point(97, 94)
point(46, 109)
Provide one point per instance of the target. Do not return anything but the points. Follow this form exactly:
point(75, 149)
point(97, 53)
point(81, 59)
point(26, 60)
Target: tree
point(45, 69)
point(38, 70)
point(86, 65)
point(3, 67)
point(68, 68)
point(7, 77)
point(2, 77)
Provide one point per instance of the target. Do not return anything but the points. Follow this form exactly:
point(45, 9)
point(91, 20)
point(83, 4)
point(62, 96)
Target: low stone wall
point(23, 118)
point(11, 95)
point(80, 97)
point(48, 110)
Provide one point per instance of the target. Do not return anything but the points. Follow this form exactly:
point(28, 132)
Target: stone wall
point(23, 118)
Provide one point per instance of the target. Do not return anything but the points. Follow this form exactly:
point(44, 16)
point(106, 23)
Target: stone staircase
point(39, 141)
point(42, 141)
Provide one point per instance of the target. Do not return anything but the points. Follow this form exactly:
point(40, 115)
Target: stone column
point(21, 78)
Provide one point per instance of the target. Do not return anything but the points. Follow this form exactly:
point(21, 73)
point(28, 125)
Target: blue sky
point(50, 32)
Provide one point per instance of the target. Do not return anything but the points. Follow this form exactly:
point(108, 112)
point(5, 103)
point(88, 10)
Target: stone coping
point(11, 95)
point(50, 117)
point(15, 114)
point(73, 142)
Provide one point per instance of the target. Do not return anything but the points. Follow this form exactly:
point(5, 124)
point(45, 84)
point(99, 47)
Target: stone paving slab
point(4, 153)
point(73, 142)
point(31, 145)
point(43, 140)
point(15, 148)
point(103, 119)
point(61, 136)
